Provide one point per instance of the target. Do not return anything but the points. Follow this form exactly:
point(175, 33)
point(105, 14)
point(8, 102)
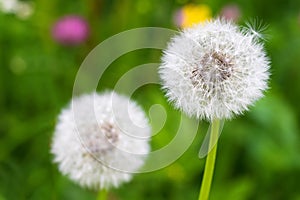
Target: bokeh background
point(258, 154)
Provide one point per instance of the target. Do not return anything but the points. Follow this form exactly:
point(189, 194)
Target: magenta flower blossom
point(178, 17)
point(231, 12)
point(70, 30)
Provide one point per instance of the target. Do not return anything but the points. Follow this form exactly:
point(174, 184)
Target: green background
point(258, 154)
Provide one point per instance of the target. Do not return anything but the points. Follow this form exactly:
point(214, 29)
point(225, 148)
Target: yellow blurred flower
point(191, 14)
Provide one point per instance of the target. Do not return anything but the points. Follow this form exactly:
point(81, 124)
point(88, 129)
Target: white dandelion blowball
point(99, 139)
point(214, 70)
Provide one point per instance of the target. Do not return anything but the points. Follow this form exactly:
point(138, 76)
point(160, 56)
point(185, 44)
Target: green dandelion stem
point(102, 195)
point(210, 162)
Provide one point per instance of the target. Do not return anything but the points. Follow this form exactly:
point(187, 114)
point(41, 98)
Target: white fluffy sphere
point(214, 70)
point(99, 139)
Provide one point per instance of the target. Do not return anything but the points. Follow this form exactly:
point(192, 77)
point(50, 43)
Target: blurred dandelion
point(21, 9)
point(214, 71)
point(8, 6)
point(92, 133)
point(70, 30)
point(191, 14)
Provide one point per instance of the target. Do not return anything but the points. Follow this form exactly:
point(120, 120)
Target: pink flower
point(231, 12)
point(178, 17)
point(70, 30)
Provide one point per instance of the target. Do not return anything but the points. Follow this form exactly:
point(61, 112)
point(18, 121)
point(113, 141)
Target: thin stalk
point(102, 195)
point(210, 162)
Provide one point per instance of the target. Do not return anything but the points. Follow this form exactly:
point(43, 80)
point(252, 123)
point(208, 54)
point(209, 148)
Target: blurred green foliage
point(258, 154)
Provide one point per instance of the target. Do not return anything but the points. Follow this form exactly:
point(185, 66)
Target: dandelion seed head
point(214, 70)
point(95, 132)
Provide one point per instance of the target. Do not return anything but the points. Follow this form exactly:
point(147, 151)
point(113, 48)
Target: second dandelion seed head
point(214, 70)
point(100, 139)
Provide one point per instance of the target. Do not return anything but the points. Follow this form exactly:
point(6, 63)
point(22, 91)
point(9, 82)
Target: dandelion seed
point(257, 28)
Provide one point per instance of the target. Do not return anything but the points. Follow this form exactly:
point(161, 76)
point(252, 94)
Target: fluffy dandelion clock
point(214, 70)
point(99, 139)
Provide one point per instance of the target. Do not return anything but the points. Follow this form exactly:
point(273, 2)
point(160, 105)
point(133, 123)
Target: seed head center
point(104, 140)
point(214, 67)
